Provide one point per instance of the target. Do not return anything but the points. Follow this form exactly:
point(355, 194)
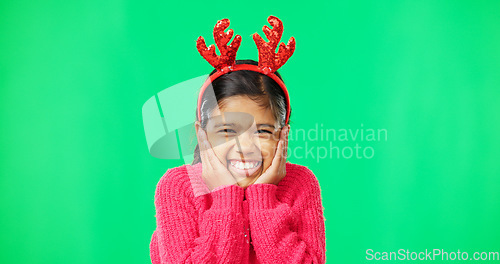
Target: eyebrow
point(225, 124)
point(266, 125)
point(232, 124)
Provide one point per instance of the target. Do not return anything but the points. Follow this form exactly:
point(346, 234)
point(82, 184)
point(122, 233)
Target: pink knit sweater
point(264, 223)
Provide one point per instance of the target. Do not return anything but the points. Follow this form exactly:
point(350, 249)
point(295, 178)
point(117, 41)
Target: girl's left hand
point(277, 171)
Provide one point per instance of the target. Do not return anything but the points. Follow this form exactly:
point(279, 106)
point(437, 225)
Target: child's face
point(243, 131)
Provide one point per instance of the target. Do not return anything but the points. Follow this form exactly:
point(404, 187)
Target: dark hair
point(257, 86)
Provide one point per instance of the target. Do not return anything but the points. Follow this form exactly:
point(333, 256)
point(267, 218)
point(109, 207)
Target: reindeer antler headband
point(269, 61)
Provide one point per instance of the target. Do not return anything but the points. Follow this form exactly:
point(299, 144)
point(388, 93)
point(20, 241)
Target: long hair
point(257, 86)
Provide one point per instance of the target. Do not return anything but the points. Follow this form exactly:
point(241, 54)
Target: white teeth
point(244, 165)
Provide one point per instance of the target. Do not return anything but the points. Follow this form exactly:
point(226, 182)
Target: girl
point(240, 201)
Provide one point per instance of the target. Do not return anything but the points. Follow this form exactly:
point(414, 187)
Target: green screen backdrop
point(419, 79)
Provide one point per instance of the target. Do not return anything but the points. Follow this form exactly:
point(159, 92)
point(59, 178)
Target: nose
point(246, 144)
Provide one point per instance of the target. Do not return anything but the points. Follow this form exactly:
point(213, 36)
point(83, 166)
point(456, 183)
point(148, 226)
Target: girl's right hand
point(214, 173)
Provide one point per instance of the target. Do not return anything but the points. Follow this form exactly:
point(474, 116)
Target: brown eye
point(263, 131)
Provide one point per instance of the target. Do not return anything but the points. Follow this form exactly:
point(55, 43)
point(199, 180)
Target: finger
point(285, 149)
point(212, 158)
point(283, 134)
point(286, 141)
point(201, 138)
point(208, 149)
point(275, 164)
point(204, 148)
point(216, 165)
point(282, 169)
point(283, 159)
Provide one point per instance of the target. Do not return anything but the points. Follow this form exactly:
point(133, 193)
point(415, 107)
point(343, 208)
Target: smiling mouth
point(246, 168)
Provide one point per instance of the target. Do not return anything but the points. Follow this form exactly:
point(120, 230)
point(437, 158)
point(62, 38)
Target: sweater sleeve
point(274, 238)
point(215, 236)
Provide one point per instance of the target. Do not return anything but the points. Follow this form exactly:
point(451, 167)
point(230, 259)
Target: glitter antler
point(269, 61)
point(228, 53)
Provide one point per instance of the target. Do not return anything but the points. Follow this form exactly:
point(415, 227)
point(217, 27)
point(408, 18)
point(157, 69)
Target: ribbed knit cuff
point(229, 197)
point(261, 196)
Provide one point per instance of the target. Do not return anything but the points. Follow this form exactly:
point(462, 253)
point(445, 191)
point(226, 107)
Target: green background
point(77, 182)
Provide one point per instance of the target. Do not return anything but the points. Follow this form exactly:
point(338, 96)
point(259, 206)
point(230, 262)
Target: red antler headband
point(269, 61)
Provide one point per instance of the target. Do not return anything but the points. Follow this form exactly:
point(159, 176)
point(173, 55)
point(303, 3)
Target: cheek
point(268, 149)
point(219, 139)
point(221, 144)
point(221, 150)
